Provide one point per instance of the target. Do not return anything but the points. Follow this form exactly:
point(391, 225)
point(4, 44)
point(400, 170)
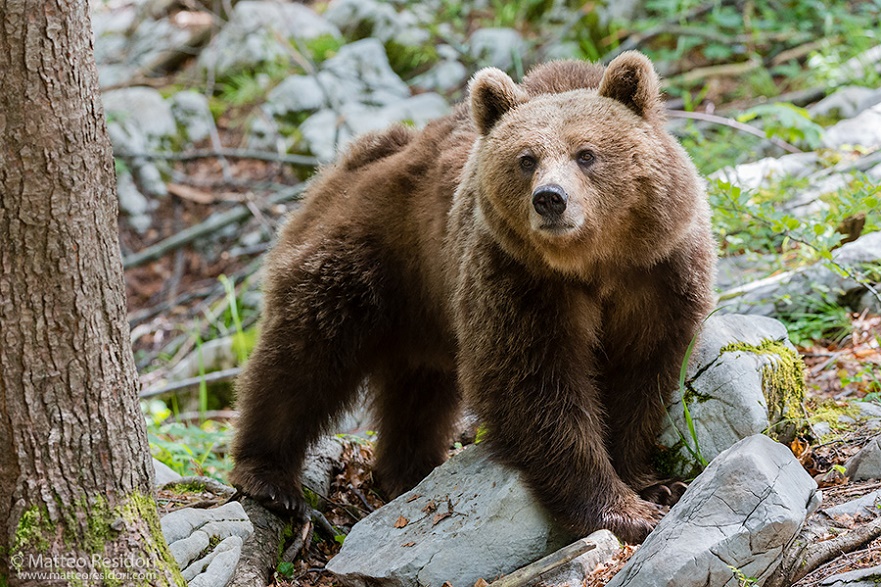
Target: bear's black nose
point(549, 200)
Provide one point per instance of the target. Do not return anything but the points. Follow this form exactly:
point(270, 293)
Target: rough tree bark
point(76, 505)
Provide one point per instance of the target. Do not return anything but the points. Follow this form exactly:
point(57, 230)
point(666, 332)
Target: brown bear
point(544, 252)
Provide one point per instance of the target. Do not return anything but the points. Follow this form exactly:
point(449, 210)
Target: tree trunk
point(76, 503)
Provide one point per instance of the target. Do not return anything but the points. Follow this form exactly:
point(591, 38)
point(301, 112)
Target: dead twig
point(192, 382)
point(301, 160)
point(527, 574)
point(735, 124)
point(212, 224)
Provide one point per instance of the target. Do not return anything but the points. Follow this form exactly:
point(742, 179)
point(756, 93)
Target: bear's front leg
point(645, 337)
point(527, 365)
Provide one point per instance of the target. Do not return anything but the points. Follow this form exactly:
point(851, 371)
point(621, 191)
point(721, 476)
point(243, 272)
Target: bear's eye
point(527, 163)
point(586, 158)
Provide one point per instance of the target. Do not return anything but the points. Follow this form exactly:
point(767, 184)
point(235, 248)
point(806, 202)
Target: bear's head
point(584, 177)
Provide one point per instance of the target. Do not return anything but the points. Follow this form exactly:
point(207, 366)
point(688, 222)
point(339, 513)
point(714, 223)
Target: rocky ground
point(219, 113)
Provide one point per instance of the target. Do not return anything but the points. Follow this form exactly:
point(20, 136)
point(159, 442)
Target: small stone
point(866, 464)
point(443, 77)
point(864, 508)
point(741, 512)
point(869, 577)
point(190, 110)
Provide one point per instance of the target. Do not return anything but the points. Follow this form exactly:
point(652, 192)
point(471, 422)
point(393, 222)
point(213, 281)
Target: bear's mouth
point(556, 227)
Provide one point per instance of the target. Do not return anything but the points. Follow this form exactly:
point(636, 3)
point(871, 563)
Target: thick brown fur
point(419, 262)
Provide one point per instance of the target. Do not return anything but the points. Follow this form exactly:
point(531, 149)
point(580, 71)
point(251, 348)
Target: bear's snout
point(549, 199)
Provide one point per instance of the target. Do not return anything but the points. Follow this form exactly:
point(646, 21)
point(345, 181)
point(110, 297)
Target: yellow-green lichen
point(783, 385)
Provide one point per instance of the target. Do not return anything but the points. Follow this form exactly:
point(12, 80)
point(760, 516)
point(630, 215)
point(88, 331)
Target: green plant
point(190, 449)
point(233, 305)
point(742, 579)
point(823, 319)
point(788, 122)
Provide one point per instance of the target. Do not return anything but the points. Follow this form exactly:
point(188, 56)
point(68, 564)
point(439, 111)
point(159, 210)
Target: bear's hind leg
point(315, 348)
point(416, 409)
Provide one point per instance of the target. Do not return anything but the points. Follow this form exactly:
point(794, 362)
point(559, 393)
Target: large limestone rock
point(471, 518)
point(792, 291)
point(259, 32)
point(744, 378)
point(740, 513)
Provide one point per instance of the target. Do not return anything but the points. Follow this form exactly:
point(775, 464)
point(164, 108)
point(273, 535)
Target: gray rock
point(218, 566)
point(163, 474)
point(494, 526)
point(845, 102)
point(739, 270)
point(866, 464)
point(133, 203)
point(447, 75)
point(181, 523)
point(496, 47)
point(327, 130)
point(736, 387)
point(129, 43)
point(296, 93)
point(741, 512)
point(258, 32)
point(792, 291)
point(862, 508)
point(188, 549)
point(363, 68)
point(190, 110)
point(380, 20)
point(860, 578)
point(863, 129)
point(764, 172)
point(142, 110)
point(575, 571)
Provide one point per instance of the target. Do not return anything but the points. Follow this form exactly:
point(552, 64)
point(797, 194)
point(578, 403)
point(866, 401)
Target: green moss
point(287, 535)
point(783, 385)
point(34, 532)
point(188, 487)
point(830, 412)
point(141, 508)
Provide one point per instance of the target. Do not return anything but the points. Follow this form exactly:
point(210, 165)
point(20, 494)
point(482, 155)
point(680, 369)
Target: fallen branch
point(210, 225)
point(301, 160)
point(735, 124)
point(208, 484)
point(806, 557)
point(192, 382)
point(527, 574)
point(260, 551)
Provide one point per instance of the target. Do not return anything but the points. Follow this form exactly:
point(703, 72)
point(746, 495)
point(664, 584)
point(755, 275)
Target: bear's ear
point(631, 79)
point(493, 93)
